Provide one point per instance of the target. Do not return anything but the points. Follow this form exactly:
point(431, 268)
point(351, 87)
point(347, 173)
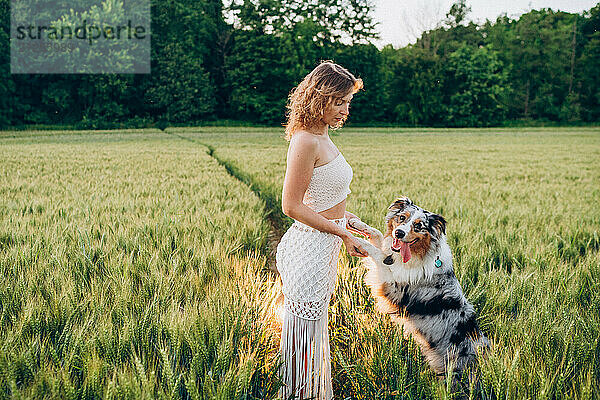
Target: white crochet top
point(329, 184)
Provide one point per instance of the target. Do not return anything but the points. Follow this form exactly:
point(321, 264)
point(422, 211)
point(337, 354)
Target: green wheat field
point(137, 264)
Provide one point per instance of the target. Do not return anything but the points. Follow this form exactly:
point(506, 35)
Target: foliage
point(476, 86)
point(416, 87)
point(181, 89)
point(260, 75)
point(6, 83)
point(239, 61)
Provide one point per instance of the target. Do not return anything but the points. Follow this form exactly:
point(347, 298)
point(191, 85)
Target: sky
point(402, 21)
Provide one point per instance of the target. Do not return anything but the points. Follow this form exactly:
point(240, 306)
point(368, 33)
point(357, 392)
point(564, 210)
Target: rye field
point(137, 264)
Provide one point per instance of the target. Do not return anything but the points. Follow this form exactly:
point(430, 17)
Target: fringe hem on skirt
point(306, 369)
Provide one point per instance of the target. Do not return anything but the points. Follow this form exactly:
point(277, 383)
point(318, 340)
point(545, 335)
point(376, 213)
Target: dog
point(411, 277)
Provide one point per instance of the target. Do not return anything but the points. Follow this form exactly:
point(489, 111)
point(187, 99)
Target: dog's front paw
point(357, 225)
point(373, 234)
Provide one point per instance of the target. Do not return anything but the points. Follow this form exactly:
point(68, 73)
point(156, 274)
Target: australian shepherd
point(411, 277)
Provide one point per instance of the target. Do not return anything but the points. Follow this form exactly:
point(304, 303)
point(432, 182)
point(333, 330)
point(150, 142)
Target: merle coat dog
point(411, 277)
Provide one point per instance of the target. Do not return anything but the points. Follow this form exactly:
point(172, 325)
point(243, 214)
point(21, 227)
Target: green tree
point(276, 42)
point(588, 67)
point(458, 13)
point(180, 89)
point(365, 61)
point(452, 33)
point(6, 84)
point(536, 50)
point(476, 87)
point(260, 75)
point(348, 21)
point(416, 89)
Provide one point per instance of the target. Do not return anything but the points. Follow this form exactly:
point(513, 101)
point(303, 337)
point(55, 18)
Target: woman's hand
point(353, 246)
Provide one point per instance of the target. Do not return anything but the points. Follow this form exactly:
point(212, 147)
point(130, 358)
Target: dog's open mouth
point(403, 247)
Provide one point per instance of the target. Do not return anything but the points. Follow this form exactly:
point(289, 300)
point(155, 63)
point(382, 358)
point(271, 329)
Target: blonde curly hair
point(308, 101)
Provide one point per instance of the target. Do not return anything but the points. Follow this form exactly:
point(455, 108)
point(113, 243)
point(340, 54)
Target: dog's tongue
point(404, 249)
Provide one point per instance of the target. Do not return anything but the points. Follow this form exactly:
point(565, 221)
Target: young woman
point(317, 182)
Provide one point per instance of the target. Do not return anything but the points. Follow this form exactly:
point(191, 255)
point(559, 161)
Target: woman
point(316, 184)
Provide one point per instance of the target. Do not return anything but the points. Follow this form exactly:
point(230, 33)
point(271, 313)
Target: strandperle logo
point(90, 33)
point(108, 36)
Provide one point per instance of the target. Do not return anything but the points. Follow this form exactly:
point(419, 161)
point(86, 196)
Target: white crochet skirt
point(307, 262)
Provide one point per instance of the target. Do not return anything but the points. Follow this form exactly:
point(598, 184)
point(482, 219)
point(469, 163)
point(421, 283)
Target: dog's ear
point(437, 225)
point(400, 204)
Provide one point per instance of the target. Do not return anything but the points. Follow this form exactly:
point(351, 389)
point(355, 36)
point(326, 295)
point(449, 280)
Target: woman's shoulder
point(304, 140)
point(304, 147)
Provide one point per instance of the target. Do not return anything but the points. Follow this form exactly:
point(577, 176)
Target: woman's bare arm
point(301, 156)
point(349, 215)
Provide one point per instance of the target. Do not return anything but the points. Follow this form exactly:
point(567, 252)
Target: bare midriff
point(336, 212)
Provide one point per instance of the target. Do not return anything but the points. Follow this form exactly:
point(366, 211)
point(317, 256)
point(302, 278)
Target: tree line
point(238, 61)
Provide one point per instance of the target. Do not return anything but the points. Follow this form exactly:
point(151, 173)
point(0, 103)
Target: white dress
point(307, 262)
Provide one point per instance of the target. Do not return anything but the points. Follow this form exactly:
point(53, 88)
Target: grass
point(522, 207)
point(133, 264)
